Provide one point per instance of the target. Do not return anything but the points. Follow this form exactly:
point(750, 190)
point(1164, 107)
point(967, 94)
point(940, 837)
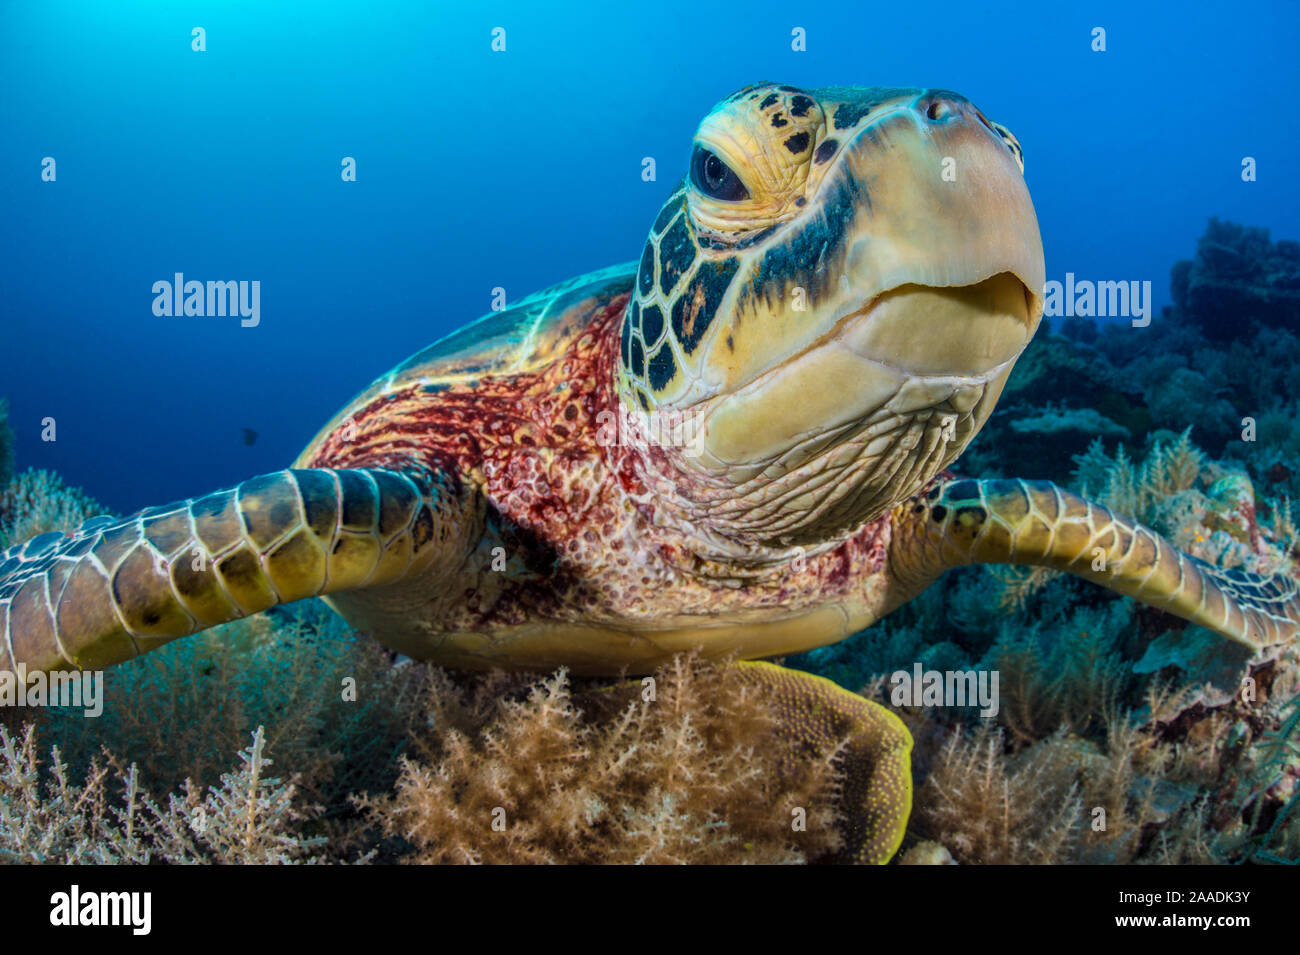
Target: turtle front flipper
point(112, 590)
point(1037, 522)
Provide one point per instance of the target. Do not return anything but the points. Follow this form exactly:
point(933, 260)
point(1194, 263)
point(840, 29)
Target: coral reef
point(334, 706)
point(697, 775)
point(37, 502)
point(247, 819)
point(604, 774)
point(1238, 274)
point(1105, 704)
point(1122, 735)
point(1224, 359)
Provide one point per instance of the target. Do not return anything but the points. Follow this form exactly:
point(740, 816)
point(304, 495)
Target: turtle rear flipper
point(1037, 522)
point(113, 589)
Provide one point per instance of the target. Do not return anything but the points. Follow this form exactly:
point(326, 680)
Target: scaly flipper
point(1036, 522)
point(112, 590)
point(877, 795)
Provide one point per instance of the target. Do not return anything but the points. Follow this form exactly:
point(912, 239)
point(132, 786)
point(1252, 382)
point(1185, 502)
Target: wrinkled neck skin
point(744, 519)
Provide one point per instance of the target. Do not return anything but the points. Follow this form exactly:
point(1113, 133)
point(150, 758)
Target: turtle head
point(830, 304)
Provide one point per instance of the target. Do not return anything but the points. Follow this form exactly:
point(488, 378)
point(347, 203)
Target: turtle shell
point(519, 338)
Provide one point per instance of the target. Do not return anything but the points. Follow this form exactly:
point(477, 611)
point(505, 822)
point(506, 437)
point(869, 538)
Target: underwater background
point(1168, 158)
point(478, 169)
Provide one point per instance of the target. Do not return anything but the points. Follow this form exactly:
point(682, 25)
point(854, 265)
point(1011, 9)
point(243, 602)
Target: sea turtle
point(737, 443)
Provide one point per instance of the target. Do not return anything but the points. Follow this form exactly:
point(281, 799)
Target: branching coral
point(249, 818)
point(1172, 466)
point(334, 707)
point(1270, 831)
point(1018, 584)
point(1061, 800)
point(698, 773)
point(695, 774)
point(37, 502)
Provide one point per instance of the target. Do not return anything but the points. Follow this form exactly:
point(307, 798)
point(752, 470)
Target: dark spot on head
point(662, 367)
point(638, 358)
point(939, 512)
point(826, 150)
point(731, 346)
point(797, 143)
point(699, 301)
point(768, 100)
point(652, 324)
point(570, 412)
point(800, 105)
point(645, 276)
point(676, 255)
point(801, 202)
point(778, 122)
point(822, 239)
point(848, 114)
point(670, 209)
point(971, 515)
point(645, 403)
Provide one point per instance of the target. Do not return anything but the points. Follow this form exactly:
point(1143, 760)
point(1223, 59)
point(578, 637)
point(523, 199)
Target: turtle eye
point(715, 178)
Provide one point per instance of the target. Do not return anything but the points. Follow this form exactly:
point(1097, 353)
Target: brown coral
point(686, 768)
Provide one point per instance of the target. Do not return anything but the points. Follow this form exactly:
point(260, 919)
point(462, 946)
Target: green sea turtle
point(737, 443)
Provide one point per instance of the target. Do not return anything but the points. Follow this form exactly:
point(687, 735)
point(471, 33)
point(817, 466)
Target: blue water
point(478, 169)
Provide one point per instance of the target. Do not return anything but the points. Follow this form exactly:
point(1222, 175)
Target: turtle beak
point(946, 257)
point(924, 265)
